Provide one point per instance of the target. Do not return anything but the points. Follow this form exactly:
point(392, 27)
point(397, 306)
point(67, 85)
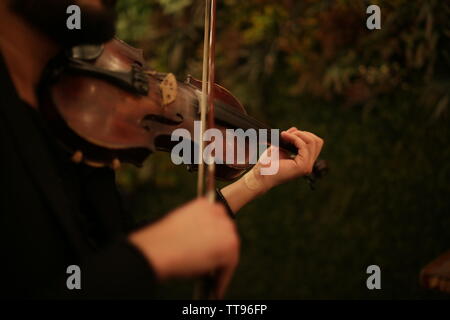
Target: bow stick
point(206, 172)
point(206, 179)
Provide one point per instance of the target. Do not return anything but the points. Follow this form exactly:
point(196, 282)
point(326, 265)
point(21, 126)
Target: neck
point(26, 52)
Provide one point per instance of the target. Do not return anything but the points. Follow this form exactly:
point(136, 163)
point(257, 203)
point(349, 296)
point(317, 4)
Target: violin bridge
point(169, 89)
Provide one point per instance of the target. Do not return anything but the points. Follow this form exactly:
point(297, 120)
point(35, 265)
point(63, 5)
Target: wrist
point(221, 199)
point(247, 188)
point(256, 182)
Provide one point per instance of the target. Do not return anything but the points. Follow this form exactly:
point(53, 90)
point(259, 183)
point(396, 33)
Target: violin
point(107, 108)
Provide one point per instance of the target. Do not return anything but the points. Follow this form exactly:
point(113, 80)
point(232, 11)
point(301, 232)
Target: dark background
point(380, 100)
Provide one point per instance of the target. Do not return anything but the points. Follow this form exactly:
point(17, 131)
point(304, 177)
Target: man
point(54, 213)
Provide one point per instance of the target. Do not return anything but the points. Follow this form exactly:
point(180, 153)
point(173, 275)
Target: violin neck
point(232, 118)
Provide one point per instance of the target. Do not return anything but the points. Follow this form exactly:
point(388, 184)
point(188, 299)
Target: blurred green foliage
point(379, 98)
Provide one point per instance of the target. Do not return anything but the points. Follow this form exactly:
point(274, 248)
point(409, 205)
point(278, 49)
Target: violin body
point(104, 121)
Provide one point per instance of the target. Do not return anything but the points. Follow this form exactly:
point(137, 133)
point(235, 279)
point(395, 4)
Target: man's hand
point(309, 147)
point(253, 184)
point(192, 241)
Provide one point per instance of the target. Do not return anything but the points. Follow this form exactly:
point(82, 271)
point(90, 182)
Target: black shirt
point(55, 213)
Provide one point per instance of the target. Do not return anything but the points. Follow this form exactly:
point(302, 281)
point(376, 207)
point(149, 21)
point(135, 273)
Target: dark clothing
point(54, 213)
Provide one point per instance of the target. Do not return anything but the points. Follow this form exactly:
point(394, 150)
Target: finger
point(301, 145)
point(293, 129)
point(317, 141)
point(312, 140)
point(294, 139)
point(305, 136)
point(321, 143)
point(310, 145)
point(313, 136)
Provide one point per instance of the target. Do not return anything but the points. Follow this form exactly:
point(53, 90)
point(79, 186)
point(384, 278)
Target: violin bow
point(206, 173)
point(206, 184)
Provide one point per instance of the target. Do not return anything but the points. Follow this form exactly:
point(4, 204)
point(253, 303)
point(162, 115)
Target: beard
point(98, 25)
